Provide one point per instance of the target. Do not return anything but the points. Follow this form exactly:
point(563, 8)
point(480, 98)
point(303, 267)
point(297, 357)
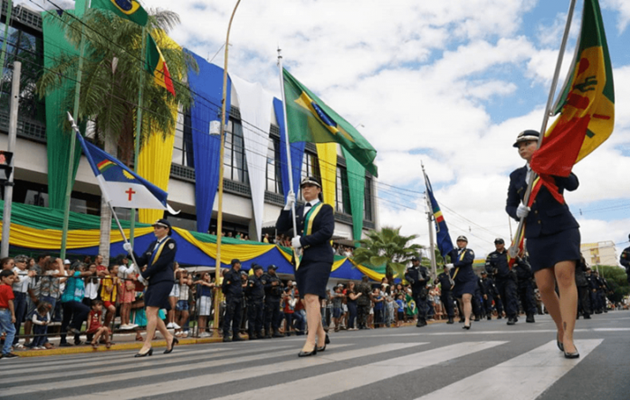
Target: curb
point(102, 349)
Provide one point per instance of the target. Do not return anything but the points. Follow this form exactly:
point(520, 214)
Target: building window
point(234, 161)
point(343, 192)
point(274, 175)
point(367, 214)
point(28, 49)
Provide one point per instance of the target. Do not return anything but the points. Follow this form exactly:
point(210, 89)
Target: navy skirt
point(465, 282)
point(547, 251)
point(312, 278)
point(157, 294)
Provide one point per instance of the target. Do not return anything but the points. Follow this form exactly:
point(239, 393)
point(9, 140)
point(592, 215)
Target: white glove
point(295, 242)
point(290, 201)
point(522, 211)
point(449, 266)
point(142, 280)
point(127, 247)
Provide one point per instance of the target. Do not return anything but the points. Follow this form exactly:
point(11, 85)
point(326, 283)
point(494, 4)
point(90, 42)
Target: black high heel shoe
point(148, 353)
point(308, 353)
point(327, 341)
point(560, 344)
point(173, 343)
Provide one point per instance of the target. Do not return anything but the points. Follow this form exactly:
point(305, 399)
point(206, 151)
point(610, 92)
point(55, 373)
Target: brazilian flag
point(310, 120)
point(127, 9)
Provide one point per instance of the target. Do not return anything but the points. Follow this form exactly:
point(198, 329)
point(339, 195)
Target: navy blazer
point(161, 270)
point(316, 246)
point(547, 216)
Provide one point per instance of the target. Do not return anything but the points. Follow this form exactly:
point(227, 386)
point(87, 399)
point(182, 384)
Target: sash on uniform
point(310, 217)
point(156, 254)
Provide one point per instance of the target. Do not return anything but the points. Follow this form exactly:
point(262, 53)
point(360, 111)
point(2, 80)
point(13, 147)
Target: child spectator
point(377, 298)
point(182, 307)
point(337, 298)
point(127, 276)
point(92, 284)
point(204, 303)
point(94, 326)
point(20, 291)
point(7, 311)
point(401, 310)
point(40, 320)
point(109, 293)
point(173, 298)
point(289, 305)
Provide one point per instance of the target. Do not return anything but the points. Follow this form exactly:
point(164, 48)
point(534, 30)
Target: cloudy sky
point(445, 83)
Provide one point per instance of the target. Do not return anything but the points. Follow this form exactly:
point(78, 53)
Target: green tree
point(387, 247)
point(113, 76)
point(617, 281)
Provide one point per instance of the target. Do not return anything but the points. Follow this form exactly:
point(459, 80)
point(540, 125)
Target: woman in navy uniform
point(553, 242)
point(159, 259)
point(464, 277)
point(315, 225)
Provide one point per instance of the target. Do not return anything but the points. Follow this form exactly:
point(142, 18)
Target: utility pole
point(8, 186)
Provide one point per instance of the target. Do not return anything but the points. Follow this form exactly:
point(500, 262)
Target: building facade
point(31, 158)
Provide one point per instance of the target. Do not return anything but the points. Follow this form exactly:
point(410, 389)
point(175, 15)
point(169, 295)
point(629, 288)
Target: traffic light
point(5, 166)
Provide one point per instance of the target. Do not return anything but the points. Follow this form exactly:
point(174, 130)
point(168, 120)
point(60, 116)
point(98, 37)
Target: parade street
point(440, 361)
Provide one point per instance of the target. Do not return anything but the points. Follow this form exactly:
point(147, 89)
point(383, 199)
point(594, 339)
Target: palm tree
point(113, 75)
point(387, 247)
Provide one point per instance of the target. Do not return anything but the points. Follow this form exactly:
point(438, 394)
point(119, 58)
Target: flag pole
point(73, 138)
point(136, 150)
point(217, 268)
point(430, 218)
point(288, 150)
point(514, 248)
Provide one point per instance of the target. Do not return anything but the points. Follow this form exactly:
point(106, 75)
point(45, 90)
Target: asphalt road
point(491, 361)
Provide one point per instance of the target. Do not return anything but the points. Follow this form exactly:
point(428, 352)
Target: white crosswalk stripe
point(347, 367)
point(543, 367)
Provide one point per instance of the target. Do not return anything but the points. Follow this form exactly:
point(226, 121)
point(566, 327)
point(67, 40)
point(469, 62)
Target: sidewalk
point(127, 341)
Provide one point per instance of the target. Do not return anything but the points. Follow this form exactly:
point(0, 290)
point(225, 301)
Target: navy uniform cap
point(526, 136)
point(462, 237)
point(311, 180)
point(257, 267)
point(235, 261)
point(272, 267)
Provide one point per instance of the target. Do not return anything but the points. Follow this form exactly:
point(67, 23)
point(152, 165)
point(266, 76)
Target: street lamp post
point(217, 270)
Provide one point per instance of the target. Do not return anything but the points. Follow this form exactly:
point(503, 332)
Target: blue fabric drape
point(297, 153)
point(207, 88)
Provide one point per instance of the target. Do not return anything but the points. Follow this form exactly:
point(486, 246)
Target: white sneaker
point(169, 326)
point(132, 326)
point(185, 334)
point(175, 326)
point(41, 348)
point(124, 327)
point(205, 335)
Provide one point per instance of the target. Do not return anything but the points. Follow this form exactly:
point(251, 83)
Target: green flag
point(311, 120)
point(128, 9)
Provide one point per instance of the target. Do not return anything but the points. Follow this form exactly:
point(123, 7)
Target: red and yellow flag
point(156, 65)
point(586, 106)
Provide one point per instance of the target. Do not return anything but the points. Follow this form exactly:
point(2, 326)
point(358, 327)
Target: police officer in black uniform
point(584, 298)
point(525, 288)
point(477, 300)
point(255, 293)
point(497, 267)
point(624, 259)
point(489, 288)
point(592, 289)
point(446, 295)
point(418, 277)
point(364, 291)
point(273, 294)
point(233, 291)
